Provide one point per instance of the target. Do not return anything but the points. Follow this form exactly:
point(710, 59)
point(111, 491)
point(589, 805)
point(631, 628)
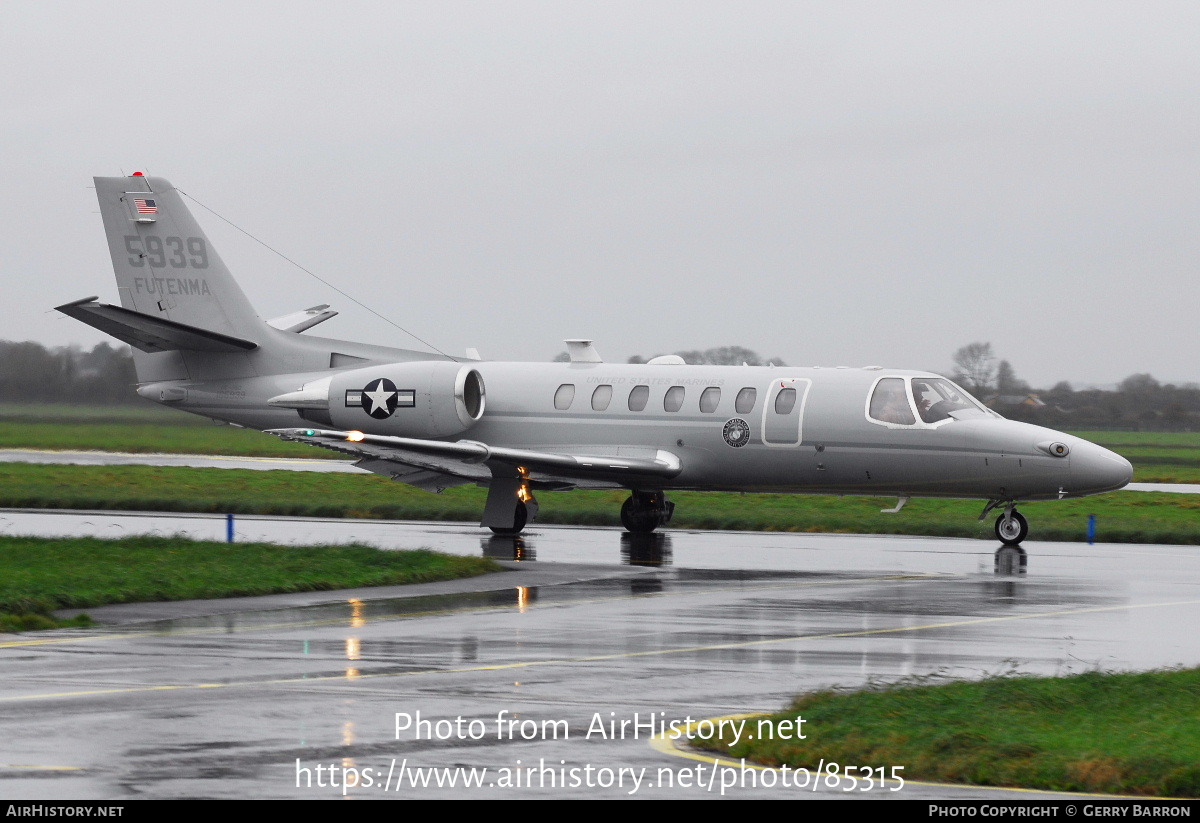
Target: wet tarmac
point(526, 668)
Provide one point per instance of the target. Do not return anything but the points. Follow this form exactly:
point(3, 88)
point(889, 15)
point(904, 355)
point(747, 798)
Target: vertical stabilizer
point(166, 268)
point(165, 265)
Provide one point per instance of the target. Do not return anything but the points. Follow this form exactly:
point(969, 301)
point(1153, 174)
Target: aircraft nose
point(1096, 469)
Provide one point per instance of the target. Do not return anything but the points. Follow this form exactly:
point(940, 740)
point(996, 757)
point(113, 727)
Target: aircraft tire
point(636, 519)
point(520, 518)
point(1012, 532)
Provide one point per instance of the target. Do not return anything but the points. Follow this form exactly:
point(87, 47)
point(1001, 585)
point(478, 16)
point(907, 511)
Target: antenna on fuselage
point(582, 351)
point(313, 275)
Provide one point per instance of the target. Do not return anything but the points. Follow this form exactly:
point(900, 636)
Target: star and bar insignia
point(380, 398)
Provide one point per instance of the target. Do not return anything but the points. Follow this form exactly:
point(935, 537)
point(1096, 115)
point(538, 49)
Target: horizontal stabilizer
point(299, 321)
point(151, 334)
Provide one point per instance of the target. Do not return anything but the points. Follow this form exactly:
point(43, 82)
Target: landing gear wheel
point(1012, 528)
point(520, 518)
point(638, 519)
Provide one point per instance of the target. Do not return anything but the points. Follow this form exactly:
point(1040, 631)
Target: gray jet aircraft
point(518, 428)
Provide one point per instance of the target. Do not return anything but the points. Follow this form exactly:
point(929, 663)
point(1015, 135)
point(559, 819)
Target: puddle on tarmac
point(357, 612)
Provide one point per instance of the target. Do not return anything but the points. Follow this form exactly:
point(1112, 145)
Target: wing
point(437, 464)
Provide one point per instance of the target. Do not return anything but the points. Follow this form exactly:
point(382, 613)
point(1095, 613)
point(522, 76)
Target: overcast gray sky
point(831, 183)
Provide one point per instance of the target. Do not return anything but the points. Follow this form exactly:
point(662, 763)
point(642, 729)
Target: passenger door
point(783, 411)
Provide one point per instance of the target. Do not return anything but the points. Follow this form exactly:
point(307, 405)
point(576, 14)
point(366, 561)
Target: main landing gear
point(644, 512)
point(520, 516)
point(510, 505)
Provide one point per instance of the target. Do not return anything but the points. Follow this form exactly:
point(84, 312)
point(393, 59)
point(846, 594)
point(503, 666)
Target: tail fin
point(169, 272)
point(181, 309)
point(165, 265)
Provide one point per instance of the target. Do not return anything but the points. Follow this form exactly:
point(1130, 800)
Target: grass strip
point(1096, 732)
point(39, 575)
point(144, 428)
point(1121, 439)
point(1128, 517)
point(140, 411)
point(1158, 473)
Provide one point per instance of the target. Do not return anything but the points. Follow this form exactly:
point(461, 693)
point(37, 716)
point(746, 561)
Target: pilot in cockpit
point(890, 403)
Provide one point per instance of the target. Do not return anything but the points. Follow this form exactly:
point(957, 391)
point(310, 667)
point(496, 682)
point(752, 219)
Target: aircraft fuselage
point(825, 443)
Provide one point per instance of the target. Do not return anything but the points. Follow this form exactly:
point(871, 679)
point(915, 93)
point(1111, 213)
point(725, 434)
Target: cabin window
point(564, 396)
point(709, 399)
point(744, 404)
point(673, 399)
point(601, 397)
point(638, 397)
point(889, 402)
point(785, 401)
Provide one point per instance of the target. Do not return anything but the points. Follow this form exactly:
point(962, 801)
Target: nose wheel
point(1011, 527)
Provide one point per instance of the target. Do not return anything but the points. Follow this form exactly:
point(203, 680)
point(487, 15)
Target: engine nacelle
point(425, 399)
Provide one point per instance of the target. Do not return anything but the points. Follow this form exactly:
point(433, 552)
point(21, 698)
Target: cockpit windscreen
point(937, 398)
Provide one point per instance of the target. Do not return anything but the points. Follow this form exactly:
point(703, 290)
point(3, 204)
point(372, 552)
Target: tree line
point(32, 373)
point(1139, 402)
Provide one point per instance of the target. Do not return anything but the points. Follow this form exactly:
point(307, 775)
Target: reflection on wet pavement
point(587, 621)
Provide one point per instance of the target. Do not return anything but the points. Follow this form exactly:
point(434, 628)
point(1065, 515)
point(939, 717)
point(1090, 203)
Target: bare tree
point(975, 367)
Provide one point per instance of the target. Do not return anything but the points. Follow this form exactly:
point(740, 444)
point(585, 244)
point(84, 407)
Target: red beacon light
point(137, 174)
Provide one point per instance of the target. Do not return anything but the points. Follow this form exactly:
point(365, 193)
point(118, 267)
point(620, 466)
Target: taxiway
point(246, 698)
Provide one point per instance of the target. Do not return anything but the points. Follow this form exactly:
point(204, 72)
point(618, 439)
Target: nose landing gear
point(1012, 527)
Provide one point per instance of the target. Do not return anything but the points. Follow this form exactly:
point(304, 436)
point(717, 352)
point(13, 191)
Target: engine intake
point(428, 398)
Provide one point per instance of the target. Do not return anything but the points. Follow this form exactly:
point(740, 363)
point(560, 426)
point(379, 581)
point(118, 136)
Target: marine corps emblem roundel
point(737, 432)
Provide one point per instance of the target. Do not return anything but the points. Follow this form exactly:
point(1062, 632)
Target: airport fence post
point(1091, 529)
point(229, 528)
